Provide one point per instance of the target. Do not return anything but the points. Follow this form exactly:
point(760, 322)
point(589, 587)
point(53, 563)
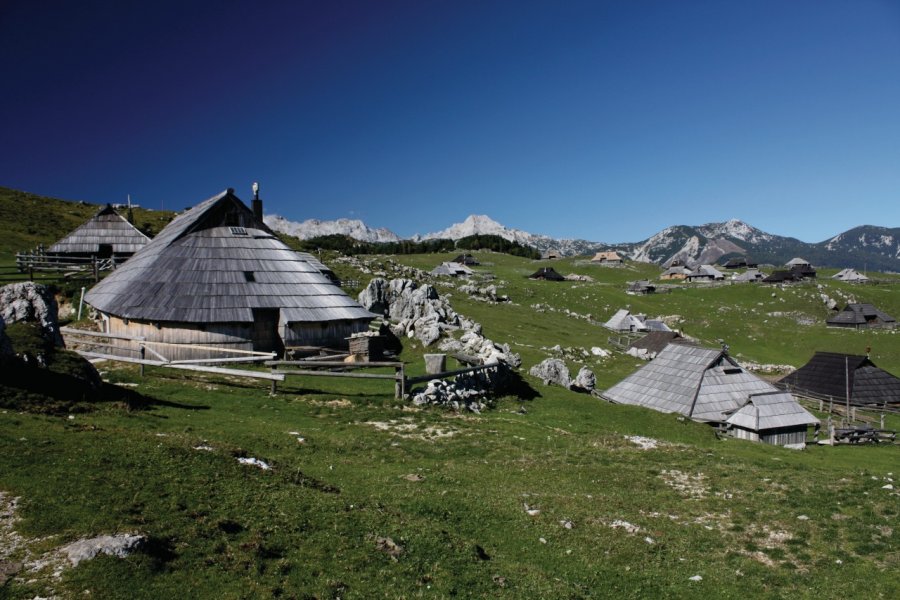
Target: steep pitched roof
point(706, 271)
point(548, 273)
point(107, 227)
point(701, 383)
point(655, 341)
point(771, 410)
point(623, 320)
point(451, 268)
point(607, 256)
point(675, 271)
point(797, 262)
point(831, 373)
point(749, 275)
point(849, 275)
point(860, 314)
point(217, 263)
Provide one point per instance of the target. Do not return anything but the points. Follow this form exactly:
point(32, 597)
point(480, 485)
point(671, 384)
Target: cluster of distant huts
point(217, 277)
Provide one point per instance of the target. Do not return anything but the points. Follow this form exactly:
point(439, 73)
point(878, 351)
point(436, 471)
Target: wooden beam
point(223, 371)
point(336, 374)
point(446, 374)
point(334, 363)
point(86, 333)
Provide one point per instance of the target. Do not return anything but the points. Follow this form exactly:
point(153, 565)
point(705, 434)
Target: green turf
point(751, 520)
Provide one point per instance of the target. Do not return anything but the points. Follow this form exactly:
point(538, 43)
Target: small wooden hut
point(772, 418)
point(862, 316)
point(452, 269)
point(105, 235)
point(217, 277)
point(609, 258)
point(547, 274)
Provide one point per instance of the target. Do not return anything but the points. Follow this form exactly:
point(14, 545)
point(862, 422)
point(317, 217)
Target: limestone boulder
point(29, 301)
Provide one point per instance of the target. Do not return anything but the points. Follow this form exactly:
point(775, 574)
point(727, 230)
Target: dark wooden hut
point(862, 316)
point(217, 277)
point(832, 374)
point(466, 259)
point(547, 274)
point(105, 235)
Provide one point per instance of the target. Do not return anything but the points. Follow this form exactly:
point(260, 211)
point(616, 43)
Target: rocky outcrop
point(31, 301)
point(552, 370)
point(419, 312)
point(487, 293)
point(585, 381)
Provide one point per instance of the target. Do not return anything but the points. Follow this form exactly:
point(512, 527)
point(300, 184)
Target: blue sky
point(605, 121)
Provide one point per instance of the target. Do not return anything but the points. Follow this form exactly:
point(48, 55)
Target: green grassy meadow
point(452, 492)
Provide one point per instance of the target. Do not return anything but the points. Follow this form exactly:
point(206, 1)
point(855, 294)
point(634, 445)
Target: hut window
point(732, 371)
point(238, 231)
point(249, 276)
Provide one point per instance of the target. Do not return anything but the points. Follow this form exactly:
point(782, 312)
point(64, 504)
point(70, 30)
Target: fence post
point(143, 355)
point(400, 385)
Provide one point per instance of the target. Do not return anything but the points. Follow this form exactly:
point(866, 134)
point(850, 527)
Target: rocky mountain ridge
point(864, 247)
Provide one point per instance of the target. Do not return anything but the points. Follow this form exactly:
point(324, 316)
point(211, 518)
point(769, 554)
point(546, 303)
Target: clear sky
point(605, 121)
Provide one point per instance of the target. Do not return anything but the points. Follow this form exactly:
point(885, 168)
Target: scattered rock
point(552, 370)
point(254, 462)
point(620, 524)
point(585, 381)
point(114, 545)
point(645, 443)
point(389, 547)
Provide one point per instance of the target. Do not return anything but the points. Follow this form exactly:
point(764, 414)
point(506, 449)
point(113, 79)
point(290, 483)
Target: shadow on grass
point(43, 391)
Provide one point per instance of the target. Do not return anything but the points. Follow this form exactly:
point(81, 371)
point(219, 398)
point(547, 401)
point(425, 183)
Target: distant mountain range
point(315, 228)
point(865, 247)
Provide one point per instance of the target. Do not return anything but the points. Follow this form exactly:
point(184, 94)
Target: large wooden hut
point(217, 277)
point(105, 235)
point(833, 375)
point(709, 386)
point(862, 316)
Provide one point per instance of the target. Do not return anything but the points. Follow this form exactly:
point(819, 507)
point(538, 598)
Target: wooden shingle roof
point(860, 314)
point(217, 263)
point(701, 383)
point(771, 410)
point(831, 373)
point(107, 228)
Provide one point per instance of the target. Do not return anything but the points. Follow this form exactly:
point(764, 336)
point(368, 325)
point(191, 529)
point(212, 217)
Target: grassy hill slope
point(371, 497)
point(27, 219)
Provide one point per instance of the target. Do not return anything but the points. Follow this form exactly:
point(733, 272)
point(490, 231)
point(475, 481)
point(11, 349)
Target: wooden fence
point(98, 345)
point(338, 368)
point(94, 344)
point(70, 267)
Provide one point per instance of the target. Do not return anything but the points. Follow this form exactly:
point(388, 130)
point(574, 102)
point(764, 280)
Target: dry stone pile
point(418, 311)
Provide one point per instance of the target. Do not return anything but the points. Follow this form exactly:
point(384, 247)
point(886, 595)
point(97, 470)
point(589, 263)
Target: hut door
point(105, 251)
point(265, 331)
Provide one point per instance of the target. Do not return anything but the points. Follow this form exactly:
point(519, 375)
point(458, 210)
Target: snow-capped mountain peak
point(314, 227)
point(474, 225)
point(734, 229)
